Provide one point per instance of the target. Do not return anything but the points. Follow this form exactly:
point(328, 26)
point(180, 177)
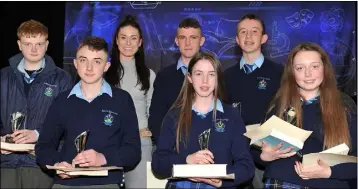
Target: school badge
point(108, 119)
point(262, 84)
point(220, 126)
point(48, 91)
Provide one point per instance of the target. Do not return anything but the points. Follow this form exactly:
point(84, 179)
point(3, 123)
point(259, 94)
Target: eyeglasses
point(37, 45)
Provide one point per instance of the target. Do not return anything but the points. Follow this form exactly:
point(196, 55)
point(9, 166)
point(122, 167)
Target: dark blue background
point(330, 24)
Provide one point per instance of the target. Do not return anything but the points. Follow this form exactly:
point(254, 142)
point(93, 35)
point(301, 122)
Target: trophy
point(204, 139)
point(16, 121)
point(237, 105)
point(290, 117)
point(80, 143)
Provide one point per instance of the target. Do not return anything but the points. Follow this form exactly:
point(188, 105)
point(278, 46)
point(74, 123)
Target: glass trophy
point(16, 121)
point(204, 139)
point(237, 105)
point(80, 143)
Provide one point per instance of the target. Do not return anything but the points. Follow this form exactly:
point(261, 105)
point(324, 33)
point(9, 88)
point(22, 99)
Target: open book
point(17, 147)
point(202, 171)
point(332, 156)
point(274, 131)
point(85, 171)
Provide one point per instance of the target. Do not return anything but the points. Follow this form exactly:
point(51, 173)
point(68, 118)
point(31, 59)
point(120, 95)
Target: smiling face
point(91, 64)
point(250, 35)
point(308, 71)
point(128, 42)
point(203, 78)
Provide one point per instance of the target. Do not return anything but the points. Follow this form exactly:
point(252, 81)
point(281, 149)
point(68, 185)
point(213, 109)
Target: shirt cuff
point(37, 133)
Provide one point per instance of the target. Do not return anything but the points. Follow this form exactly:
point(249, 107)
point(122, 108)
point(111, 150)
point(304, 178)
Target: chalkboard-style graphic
point(301, 19)
point(332, 20)
point(279, 43)
point(144, 4)
point(335, 48)
point(255, 3)
point(104, 20)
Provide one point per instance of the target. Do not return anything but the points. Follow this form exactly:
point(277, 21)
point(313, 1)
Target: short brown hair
point(32, 28)
point(94, 43)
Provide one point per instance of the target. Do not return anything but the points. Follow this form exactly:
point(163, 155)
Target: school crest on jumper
point(48, 91)
point(220, 126)
point(108, 119)
point(262, 84)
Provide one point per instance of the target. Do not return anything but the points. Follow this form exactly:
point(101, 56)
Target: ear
point(237, 39)
point(176, 41)
point(75, 63)
point(117, 41)
point(19, 44)
point(264, 38)
point(106, 67)
point(47, 42)
point(202, 41)
point(189, 78)
point(140, 42)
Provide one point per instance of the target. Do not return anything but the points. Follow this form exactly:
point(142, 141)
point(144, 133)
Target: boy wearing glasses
point(29, 86)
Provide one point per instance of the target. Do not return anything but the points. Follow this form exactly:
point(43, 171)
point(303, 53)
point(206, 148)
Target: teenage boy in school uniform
point(92, 105)
point(252, 83)
point(28, 86)
point(169, 80)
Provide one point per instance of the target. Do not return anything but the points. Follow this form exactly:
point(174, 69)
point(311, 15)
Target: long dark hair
point(115, 72)
point(186, 96)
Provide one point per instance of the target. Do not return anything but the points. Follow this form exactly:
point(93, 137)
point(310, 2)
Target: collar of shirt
point(76, 90)
point(182, 66)
point(257, 63)
point(219, 107)
point(21, 67)
point(311, 100)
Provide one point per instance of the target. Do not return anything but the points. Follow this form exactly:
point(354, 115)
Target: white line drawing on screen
point(300, 19)
point(255, 3)
point(104, 20)
point(144, 4)
point(332, 20)
point(342, 58)
point(279, 43)
point(149, 27)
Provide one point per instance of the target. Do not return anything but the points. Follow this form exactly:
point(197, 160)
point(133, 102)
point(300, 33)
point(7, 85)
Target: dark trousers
point(25, 177)
point(58, 186)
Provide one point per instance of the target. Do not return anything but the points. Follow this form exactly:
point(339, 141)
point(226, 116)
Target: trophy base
point(9, 139)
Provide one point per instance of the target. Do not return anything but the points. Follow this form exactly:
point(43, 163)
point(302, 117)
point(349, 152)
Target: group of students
point(134, 115)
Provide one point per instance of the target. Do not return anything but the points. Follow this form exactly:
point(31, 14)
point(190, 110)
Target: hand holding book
point(271, 153)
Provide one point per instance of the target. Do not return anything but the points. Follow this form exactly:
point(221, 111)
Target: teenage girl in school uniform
point(197, 109)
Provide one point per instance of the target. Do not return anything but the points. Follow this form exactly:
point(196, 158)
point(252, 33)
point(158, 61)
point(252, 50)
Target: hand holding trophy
point(203, 156)
point(80, 143)
point(16, 121)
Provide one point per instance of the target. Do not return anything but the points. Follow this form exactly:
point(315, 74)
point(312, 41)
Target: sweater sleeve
point(165, 155)
point(150, 90)
point(242, 166)
point(128, 152)
point(158, 108)
point(348, 171)
point(52, 129)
